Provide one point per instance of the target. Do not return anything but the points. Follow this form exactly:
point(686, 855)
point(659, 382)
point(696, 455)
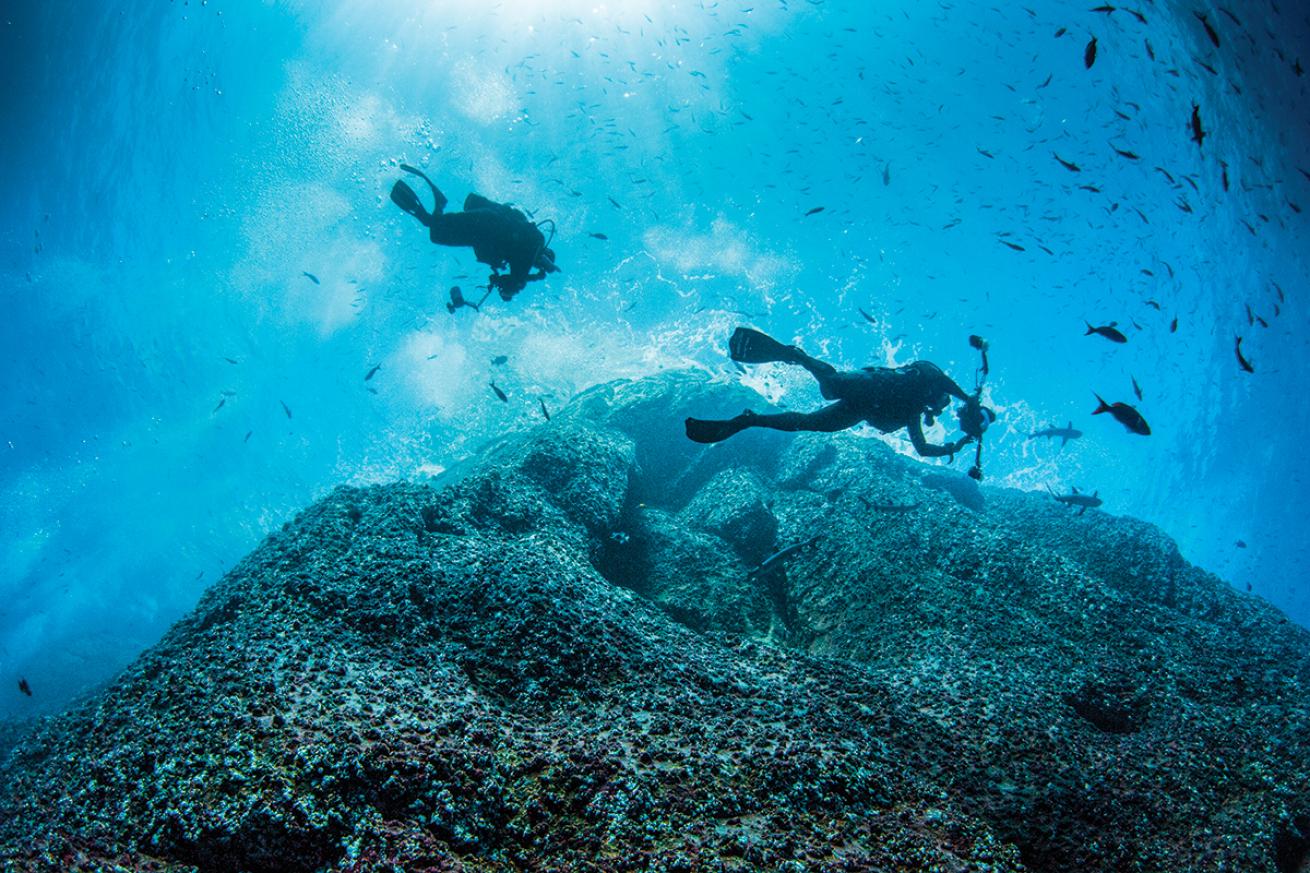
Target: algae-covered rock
point(734, 505)
point(571, 659)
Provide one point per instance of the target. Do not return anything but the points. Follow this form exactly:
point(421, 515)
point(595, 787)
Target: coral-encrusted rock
point(557, 664)
point(734, 506)
point(694, 576)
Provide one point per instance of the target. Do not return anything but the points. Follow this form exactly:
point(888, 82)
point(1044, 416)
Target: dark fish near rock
point(1109, 331)
point(1084, 502)
point(24, 687)
point(1137, 389)
point(1209, 28)
point(1089, 54)
point(893, 507)
point(1125, 415)
point(1066, 433)
point(501, 394)
point(543, 408)
point(778, 558)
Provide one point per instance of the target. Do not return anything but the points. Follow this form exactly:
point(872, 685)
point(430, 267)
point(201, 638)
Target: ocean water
point(200, 265)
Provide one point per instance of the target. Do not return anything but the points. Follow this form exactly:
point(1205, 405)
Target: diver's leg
point(834, 417)
point(829, 419)
point(455, 229)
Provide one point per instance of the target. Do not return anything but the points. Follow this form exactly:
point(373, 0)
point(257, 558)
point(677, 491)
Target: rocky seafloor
point(561, 661)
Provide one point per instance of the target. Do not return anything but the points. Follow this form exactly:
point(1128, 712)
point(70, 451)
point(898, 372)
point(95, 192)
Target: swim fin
point(716, 430)
point(403, 196)
point(752, 347)
point(440, 204)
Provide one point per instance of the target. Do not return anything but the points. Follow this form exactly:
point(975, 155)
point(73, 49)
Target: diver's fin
point(440, 205)
point(403, 196)
point(701, 430)
point(752, 347)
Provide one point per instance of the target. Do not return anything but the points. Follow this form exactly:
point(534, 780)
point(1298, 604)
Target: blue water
point(173, 169)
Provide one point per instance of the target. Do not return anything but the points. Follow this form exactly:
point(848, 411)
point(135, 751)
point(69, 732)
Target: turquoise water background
point(176, 386)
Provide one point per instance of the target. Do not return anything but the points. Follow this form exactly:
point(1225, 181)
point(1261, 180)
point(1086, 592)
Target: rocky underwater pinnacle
point(568, 659)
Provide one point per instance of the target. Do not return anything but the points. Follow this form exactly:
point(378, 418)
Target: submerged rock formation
point(563, 661)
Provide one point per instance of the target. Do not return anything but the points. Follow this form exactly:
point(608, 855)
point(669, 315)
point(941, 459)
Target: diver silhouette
point(887, 398)
point(500, 235)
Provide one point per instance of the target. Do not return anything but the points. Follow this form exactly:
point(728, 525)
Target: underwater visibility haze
point(211, 312)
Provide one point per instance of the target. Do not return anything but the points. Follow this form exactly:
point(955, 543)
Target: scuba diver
point(500, 235)
point(887, 398)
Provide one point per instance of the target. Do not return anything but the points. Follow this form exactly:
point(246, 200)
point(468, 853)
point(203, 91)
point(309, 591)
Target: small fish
point(1125, 415)
point(1137, 389)
point(24, 687)
point(1089, 54)
point(867, 317)
point(984, 152)
point(499, 393)
point(1154, 304)
point(774, 561)
point(1084, 502)
point(1224, 174)
point(893, 507)
point(1061, 32)
point(595, 235)
point(615, 203)
point(1209, 29)
point(1242, 361)
point(285, 408)
point(1109, 331)
point(886, 174)
point(543, 408)
point(1198, 133)
point(1173, 325)
point(221, 401)
point(247, 437)
point(1132, 156)
point(1241, 544)
point(1015, 246)
point(1106, 9)
point(1064, 434)
point(311, 277)
point(371, 373)
point(231, 360)
point(815, 211)
point(499, 360)
point(1068, 165)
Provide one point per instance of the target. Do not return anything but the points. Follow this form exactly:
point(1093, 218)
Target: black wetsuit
point(887, 398)
point(500, 235)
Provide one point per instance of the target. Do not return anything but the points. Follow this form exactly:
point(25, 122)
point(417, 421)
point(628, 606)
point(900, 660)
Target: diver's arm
point(927, 449)
point(954, 389)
